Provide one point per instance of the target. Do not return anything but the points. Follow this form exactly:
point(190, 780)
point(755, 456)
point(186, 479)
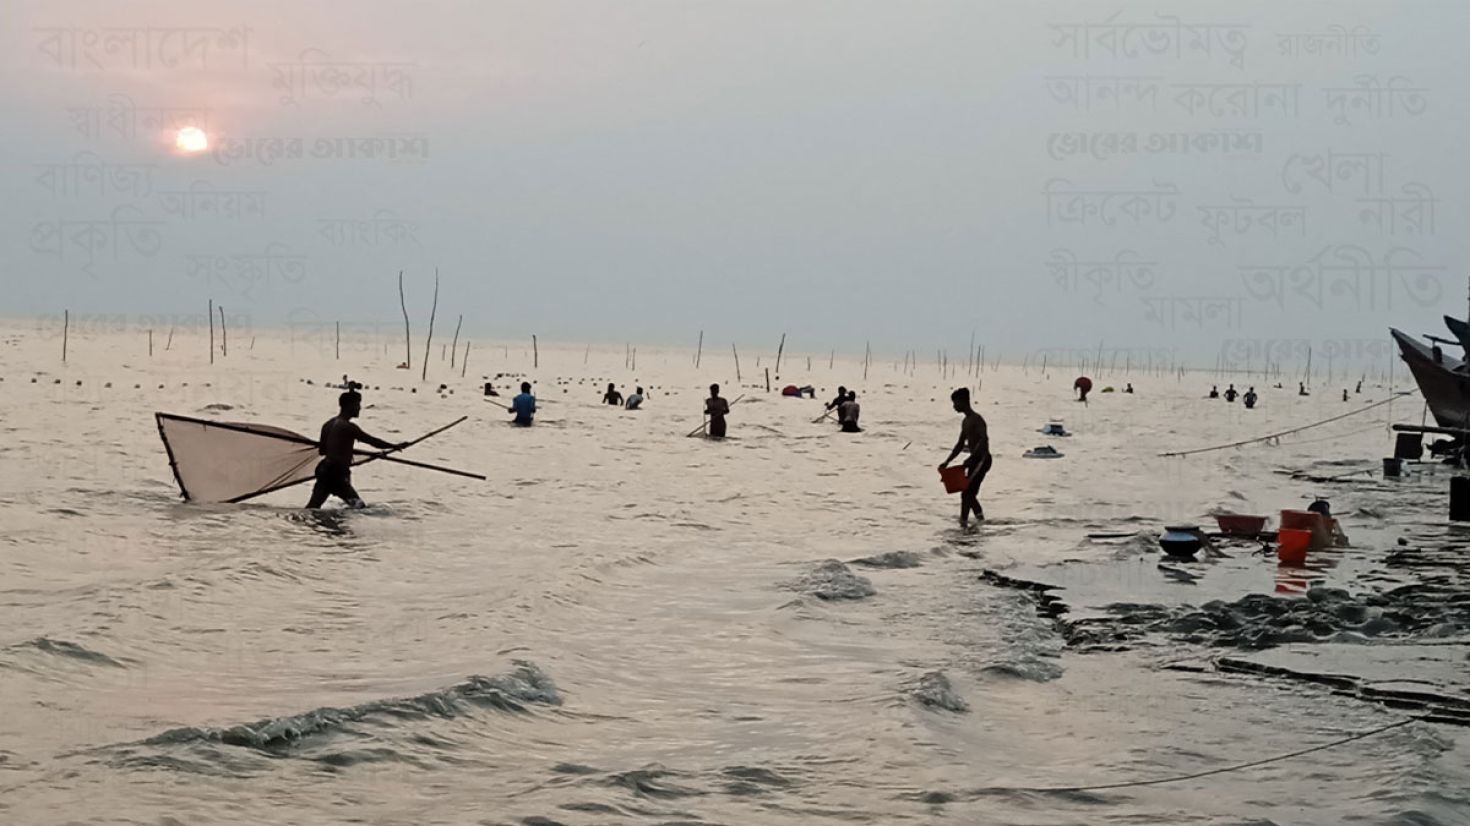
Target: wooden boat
point(1444, 381)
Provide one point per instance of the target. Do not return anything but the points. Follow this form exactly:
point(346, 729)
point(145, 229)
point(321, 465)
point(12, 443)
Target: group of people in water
point(1250, 397)
point(340, 434)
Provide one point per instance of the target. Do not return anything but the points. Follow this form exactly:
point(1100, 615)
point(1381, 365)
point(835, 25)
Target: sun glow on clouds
point(192, 140)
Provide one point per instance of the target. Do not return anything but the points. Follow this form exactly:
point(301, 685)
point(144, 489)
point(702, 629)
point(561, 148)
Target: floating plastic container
point(1239, 524)
point(1292, 545)
point(1301, 520)
point(955, 479)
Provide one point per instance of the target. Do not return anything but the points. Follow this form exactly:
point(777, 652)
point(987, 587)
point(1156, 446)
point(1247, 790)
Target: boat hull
point(1443, 380)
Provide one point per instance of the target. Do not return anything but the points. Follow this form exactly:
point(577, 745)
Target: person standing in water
point(339, 438)
point(635, 400)
point(524, 406)
point(716, 409)
point(1230, 393)
point(975, 435)
point(1249, 398)
point(612, 397)
point(849, 412)
point(836, 404)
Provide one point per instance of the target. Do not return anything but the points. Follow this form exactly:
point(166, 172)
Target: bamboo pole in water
point(768, 379)
point(780, 350)
point(170, 342)
point(65, 332)
point(454, 345)
point(433, 311)
point(337, 343)
point(224, 345)
point(464, 363)
point(737, 361)
point(535, 352)
point(699, 351)
point(211, 331)
point(150, 344)
point(407, 335)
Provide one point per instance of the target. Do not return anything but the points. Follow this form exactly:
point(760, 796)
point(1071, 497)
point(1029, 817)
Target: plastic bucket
point(1292, 545)
point(954, 478)
point(1301, 520)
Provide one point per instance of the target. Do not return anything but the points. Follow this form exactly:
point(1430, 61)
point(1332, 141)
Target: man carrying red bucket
point(976, 436)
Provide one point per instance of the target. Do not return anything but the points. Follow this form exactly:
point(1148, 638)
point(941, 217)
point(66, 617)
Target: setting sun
point(192, 139)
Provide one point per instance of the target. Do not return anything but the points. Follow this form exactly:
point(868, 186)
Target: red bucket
point(954, 478)
point(1301, 520)
point(1292, 545)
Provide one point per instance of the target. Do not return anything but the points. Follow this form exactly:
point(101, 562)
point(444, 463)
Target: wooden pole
point(535, 353)
point(454, 345)
point(433, 311)
point(737, 361)
point(170, 341)
point(464, 363)
point(211, 331)
point(699, 352)
point(407, 335)
point(779, 350)
point(867, 358)
point(768, 379)
point(65, 332)
point(831, 359)
point(150, 344)
point(337, 345)
point(224, 345)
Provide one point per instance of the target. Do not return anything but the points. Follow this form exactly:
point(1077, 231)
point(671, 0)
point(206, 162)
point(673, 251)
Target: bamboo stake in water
point(433, 311)
point(407, 335)
point(779, 350)
point(464, 363)
point(211, 331)
point(454, 345)
point(224, 346)
point(337, 343)
point(150, 344)
point(737, 361)
point(699, 352)
point(170, 341)
point(535, 353)
point(65, 332)
point(768, 379)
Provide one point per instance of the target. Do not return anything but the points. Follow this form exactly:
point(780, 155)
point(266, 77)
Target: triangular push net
point(234, 461)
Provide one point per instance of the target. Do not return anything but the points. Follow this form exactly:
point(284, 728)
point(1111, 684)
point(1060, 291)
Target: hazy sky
point(840, 171)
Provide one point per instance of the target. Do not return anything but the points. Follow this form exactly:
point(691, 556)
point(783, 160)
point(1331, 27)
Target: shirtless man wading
point(339, 437)
point(976, 436)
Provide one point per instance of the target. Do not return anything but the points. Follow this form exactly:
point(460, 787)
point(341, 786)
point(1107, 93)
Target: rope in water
point(1268, 437)
point(1223, 770)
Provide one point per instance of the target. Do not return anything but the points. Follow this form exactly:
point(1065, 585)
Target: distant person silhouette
point(524, 406)
point(612, 396)
point(717, 409)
